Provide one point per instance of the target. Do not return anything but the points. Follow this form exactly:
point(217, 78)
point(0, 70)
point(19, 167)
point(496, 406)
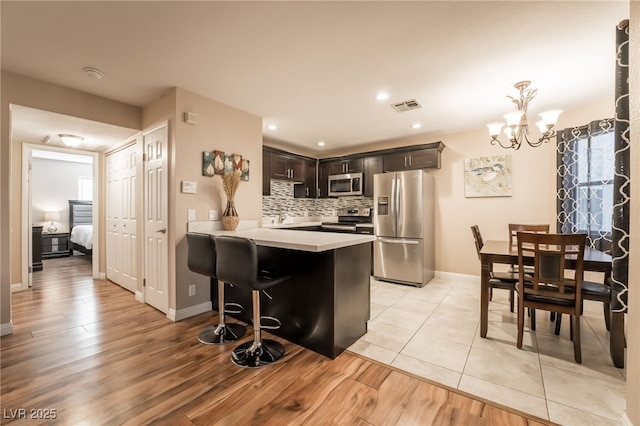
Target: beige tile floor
point(433, 332)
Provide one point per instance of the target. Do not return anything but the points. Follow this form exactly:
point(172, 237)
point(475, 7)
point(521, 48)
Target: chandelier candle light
point(517, 127)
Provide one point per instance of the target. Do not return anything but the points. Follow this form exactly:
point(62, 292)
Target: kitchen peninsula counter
point(325, 305)
point(300, 240)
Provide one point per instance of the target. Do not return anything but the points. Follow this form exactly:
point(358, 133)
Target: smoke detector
point(409, 105)
point(94, 73)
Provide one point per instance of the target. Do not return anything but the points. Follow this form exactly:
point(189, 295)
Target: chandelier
point(517, 127)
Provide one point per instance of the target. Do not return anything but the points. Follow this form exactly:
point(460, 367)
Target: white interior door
point(156, 237)
point(121, 217)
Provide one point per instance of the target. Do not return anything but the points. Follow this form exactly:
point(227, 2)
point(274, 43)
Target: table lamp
point(52, 217)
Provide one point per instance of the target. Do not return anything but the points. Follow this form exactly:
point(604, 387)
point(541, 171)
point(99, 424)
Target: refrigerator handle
point(398, 241)
point(397, 200)
point(394, 206)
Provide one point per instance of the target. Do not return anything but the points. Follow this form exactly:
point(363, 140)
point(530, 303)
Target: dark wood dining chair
point(552, 287)
point(514, 228)
point(501, 280)
point(597, 292)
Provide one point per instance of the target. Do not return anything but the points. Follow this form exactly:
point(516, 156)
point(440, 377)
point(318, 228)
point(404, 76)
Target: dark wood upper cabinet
point(307, 189)
point(372, 165)
point(311, 177)
point(324, 169)
point(347, 165)
point(413, 160)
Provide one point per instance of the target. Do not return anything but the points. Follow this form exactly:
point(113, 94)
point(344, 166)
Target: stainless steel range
point(353, 220)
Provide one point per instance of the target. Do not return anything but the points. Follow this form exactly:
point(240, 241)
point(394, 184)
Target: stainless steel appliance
point(404, 224)
point(345, 184)
point(354, 220)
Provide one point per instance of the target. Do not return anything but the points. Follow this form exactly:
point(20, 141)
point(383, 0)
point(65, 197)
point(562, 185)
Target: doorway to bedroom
point(60, 198)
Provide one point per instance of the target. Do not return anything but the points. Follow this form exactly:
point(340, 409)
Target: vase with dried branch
point(230, 218)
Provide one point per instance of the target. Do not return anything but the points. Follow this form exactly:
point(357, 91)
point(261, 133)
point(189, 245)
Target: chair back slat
point(551, 276)
point(514, 228)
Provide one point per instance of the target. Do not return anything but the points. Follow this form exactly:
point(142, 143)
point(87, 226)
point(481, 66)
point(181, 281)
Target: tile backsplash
point(281, 201)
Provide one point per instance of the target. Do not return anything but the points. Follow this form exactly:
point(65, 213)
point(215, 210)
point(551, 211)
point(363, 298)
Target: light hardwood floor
point(86, 349)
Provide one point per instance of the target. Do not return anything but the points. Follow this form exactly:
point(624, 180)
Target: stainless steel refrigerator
point(404, 224)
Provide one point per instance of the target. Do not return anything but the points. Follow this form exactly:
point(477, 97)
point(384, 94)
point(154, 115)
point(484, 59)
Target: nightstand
point(55, 244)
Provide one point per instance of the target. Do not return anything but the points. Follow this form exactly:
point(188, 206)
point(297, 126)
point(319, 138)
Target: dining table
point(502, 252)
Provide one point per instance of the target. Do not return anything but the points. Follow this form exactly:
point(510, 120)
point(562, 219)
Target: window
point(585, 182)
point(85, 188)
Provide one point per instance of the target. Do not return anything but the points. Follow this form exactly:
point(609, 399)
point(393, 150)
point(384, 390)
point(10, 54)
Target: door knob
point(163, 230)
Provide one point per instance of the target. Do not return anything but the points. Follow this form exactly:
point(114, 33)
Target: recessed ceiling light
point(272, 127)
point(416, 125)
point(94, 73)
point(321, 143)
point(382, 96)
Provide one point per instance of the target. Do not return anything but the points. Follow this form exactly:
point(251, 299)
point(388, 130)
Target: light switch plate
point(189, 187)
point(191, 215)
point(213, 214)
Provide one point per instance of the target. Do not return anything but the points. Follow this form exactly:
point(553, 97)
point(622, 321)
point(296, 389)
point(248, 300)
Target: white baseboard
point(189, 312)
point(101, 276)
point(16, 287)
point(6, 329)
point(139, 296)
point(442, 274)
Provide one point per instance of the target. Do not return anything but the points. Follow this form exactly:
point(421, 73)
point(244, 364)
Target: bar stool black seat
point(201, 259)
point(237, 263)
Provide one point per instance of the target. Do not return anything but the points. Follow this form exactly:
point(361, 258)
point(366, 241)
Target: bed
point(81, 226)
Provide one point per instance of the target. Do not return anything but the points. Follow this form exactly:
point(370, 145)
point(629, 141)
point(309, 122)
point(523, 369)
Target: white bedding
point(83, 235)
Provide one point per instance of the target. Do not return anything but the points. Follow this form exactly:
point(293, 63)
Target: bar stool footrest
point(217, 335)
point(233, 308)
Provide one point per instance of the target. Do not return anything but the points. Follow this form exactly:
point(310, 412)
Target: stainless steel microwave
point(346, 184)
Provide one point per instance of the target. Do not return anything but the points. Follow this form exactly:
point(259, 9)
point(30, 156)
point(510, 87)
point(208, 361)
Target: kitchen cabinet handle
point(409, 161)
point(405, 161)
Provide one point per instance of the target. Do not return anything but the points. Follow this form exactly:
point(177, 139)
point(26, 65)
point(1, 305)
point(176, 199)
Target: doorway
point(51, 177)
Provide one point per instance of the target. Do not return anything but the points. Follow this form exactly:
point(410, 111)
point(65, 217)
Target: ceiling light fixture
point(416, 125)
point(321, 143)
point(94, 73)
point(382, 96)
point(517, 130)
point(71, 140)
point(272, 127)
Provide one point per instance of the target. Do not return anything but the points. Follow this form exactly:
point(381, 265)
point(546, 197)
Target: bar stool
point(237, 263)
point(201, 259)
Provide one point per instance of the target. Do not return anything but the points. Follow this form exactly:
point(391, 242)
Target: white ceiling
point(313, 68)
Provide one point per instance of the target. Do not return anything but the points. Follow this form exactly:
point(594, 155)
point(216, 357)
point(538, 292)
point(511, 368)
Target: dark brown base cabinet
point(55, 244)
point(325, 305)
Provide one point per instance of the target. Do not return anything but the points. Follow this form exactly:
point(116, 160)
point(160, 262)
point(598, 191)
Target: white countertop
point(291, 225)
point(300, 240)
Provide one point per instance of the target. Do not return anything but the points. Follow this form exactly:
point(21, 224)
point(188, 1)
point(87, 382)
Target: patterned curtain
point(622, 180)
point(585, 182)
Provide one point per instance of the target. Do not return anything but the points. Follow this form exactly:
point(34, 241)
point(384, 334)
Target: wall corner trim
point(6, 329)
point(191, 311)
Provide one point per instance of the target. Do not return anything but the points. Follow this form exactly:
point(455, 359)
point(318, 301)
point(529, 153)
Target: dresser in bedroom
point(55, 244)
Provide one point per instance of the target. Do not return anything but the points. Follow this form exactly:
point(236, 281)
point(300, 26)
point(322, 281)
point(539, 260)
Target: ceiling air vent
point(406, 105)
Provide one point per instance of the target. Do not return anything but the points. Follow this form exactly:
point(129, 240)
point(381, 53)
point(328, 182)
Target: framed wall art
point(487, 176)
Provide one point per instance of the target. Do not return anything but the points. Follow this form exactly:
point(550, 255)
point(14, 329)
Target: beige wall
point(25, 91)
point(223, 128)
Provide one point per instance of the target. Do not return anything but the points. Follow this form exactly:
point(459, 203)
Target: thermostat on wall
point(189, 187)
